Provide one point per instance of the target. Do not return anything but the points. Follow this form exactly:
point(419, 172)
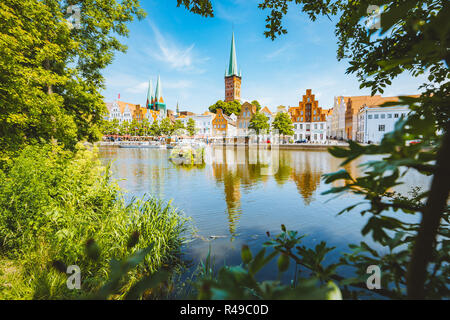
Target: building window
point(396, 115)
point(381, 128)
point(302, 119)
point(389, 115)
point(369, 116)
point(301, 126)
point(382, 116)
point(315, 126)
point(321, 126)
point(376, 116)
point(301, 112)
point(315, 136)
point(301, 136)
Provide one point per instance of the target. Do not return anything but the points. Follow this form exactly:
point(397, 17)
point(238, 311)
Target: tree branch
point(429, 226)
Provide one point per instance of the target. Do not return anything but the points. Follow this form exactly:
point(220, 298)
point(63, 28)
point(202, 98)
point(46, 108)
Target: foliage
point(50, 77)
point(53, 202)
point(166, 127)
point(388, 211)
point(257, 104)
point(228, 108)
point(178, 125)
point(259, 122)
point(239, 282)
point(155, 129)
point(283, 123)
point(191, 127)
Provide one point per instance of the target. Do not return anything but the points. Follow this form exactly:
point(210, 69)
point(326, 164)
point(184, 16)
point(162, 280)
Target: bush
point(53, 202)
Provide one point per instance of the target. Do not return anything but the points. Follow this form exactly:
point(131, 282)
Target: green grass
point(52, 202)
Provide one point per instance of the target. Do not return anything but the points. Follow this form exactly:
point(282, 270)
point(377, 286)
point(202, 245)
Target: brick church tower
point(232, 77)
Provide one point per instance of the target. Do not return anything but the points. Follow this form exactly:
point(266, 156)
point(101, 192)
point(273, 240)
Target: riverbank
point(300, 146)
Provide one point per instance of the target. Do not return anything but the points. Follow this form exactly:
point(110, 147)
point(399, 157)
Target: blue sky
point(191, 54)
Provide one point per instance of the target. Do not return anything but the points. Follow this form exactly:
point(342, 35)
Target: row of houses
point(359, 118)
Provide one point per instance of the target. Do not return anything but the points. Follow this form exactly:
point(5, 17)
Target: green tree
point(228, 108)
point(134, 128)
point(115, 127)
point(257, 104)
point(178, 125)
point(166, 127)
point(259, 122)
point(283, 123)
point(191, 127)
point(155, 129)
point(144, 127)
point(50, 74)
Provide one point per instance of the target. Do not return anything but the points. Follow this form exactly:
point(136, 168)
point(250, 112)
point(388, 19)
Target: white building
point(121, 111)
point(268, 114)
point(203, 122)
point(338, 118)
point(311, 131)
point(329, 119)
point(374, 122)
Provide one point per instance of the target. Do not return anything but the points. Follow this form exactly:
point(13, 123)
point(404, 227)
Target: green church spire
point(232, 68)
point(158, 89)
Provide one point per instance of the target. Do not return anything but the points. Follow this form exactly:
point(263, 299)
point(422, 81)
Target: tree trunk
point(431, 217)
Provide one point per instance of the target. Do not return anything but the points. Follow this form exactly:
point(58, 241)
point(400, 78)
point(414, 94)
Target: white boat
point(139, 145)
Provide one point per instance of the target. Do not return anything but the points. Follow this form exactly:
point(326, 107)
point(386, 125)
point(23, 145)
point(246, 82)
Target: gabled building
point(309, 119)
point(268, 114)
point(243, 119)
point(125, 111)
point(338, 118)
point(223, 125)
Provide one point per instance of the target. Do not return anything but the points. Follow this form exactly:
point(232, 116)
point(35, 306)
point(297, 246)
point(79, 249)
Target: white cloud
point(175, 55)
point(179, 84)
point(277, 52)
point(138, 88)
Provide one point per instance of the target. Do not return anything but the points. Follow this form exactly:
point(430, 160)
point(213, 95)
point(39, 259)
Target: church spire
point(158, 95)
point(232, 67)
point(149, 95)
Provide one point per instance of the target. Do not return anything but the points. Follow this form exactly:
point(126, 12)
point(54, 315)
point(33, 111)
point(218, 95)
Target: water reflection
point(244, 192)
point(236, 171)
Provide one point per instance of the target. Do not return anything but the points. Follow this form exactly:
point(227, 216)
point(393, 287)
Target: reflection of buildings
point(236, 169)
point(225, 171)
point(308, 168)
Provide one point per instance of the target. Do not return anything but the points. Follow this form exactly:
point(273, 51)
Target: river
point(233, 200)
